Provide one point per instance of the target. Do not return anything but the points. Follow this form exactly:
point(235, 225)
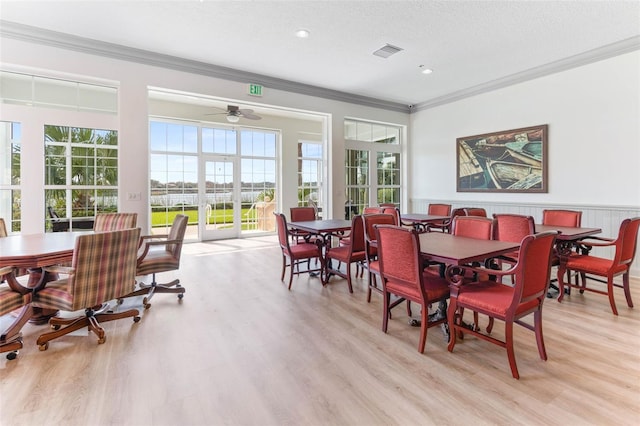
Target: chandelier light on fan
point(234, 113)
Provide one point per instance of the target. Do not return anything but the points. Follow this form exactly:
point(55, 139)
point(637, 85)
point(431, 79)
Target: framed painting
point(507, 161)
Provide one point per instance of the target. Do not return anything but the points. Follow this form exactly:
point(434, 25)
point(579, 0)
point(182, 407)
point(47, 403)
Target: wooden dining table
point(420, 221)
point(323, 230)
point(33, 252)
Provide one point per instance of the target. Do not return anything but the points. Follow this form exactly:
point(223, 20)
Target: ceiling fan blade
point(250, 115)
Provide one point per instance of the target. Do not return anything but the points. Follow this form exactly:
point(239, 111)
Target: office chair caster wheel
point(136, 319)
point(12, 355)
point(102, 340)
point(44, 346)
point(180, 296)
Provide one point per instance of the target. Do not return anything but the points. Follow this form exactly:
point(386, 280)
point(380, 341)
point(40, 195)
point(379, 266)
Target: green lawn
point(218, 216)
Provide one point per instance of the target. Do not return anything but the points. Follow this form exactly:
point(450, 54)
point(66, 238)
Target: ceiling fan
point(234, 113)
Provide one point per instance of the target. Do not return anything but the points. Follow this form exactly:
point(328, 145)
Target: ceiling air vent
point(387, 50)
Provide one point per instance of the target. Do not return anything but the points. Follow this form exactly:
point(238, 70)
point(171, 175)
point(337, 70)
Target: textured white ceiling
point(466, 43)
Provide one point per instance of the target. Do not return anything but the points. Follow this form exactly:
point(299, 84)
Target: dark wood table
point(420, 221)
point(323, 230)
point(33, 252)
point(457, 251)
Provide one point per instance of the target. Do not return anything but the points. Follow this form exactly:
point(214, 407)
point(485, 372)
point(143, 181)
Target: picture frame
point(506, 161)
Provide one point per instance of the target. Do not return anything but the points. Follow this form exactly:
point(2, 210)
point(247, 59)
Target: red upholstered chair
point(114, 221)
point(371, 248)
point(393, 211)
point(473, 227)
point(625, 250)
point(353, 252)
point(439, 209)
point(103, 268)
point(302, 214)
point(445, 225)
point(570, 218)
point(372, 210)
point(296, 253)
point(12, 297)
point(512, 228)
point(504, 302)
point(475, 211)
point(403, 275)
point(160, 253)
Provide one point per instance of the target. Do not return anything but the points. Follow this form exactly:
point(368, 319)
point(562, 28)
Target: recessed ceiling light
point(425, 70)
point(302, 33)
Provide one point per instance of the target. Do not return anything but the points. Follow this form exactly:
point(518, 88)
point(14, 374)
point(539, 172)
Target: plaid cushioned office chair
point(114, 221)
point(12, 297)
point(160, 253)
point(103, 268)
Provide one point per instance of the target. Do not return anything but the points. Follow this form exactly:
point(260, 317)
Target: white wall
point(593, 113)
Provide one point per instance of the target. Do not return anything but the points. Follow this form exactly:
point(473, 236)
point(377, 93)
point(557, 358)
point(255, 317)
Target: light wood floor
point(242, 350)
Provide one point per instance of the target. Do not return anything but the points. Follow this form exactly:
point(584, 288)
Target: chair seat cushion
point(374, 266)
point(342, 254)
point(303, 251)
point(436, 288)
point(594, 265)
point(157, 261)
point(9, 300)
point(491, 297)
point(54, 296)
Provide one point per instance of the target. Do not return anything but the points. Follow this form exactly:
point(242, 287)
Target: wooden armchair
point(404, 276)
point(583, 264)
point(504, 302)
point(160, 253)
point(302, 252)
point(369, 221)
point(348, 254)
point(103, 268)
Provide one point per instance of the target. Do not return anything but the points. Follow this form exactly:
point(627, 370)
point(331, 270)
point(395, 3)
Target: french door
point(219, 197)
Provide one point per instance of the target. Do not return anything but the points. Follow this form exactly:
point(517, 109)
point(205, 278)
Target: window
point(173, 173)
point(369, 182)
point(258, 177)
point(10, 136)
point(81, 171)
point(309, 174)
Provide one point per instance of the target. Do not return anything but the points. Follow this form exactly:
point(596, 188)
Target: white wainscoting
point(608, 218)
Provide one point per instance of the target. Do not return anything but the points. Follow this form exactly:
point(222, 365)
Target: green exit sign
point(255, 90)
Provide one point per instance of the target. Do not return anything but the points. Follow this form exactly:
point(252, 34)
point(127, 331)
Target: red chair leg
point(537, 320)
point(385, 317)
point(508, 331)
point(424, 328)
point(627, 292)
point(612, 301)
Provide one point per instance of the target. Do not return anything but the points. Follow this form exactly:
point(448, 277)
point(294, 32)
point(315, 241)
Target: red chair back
point(283, 231)
point(302, 214)
point(370, 220)
point(372, 210)
point(393, 211)
point(533, 268)
point(513, 227)
point(399, 255)
point(569, 218)
point(475, 211)
point(439, 209)
point(473, 227)
point(627, 241)
point(356, 236)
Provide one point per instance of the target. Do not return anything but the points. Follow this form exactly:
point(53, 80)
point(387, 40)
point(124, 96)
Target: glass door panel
point(219, 198)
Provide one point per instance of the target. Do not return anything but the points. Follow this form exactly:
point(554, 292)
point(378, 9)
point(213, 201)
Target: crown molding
point(591, 56)
point(94, 47)
point(110, 50)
